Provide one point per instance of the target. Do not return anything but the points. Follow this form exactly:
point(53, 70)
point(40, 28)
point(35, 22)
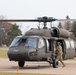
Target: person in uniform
point(59, 53)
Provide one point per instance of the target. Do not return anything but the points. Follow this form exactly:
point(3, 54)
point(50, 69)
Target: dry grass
point(24, 74)
point(3, 52)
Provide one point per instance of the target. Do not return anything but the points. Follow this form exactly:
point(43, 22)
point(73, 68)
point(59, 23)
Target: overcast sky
point(13, 9)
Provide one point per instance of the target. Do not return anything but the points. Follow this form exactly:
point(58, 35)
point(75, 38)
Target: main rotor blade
point(35, 20)
point(66, 20)
point(19, 20)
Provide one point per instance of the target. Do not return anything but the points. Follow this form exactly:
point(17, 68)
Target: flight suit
point(59, 54)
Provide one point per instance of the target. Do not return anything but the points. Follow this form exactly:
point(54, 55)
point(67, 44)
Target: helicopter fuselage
point(40, 45)
point(26, 51)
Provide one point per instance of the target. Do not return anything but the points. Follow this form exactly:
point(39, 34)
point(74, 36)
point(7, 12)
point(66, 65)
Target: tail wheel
point(21, 63)
point(55, 63)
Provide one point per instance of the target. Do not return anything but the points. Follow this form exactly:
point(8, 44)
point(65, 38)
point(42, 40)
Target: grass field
point(3, 52)
point(24, 74)
point(19, 74)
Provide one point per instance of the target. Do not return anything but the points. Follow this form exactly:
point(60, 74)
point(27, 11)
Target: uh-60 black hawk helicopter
point(39, 44)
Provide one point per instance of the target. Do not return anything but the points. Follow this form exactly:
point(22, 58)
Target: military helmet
point(58, 43)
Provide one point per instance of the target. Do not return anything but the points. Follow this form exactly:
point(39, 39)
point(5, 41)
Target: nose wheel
point(21, 63)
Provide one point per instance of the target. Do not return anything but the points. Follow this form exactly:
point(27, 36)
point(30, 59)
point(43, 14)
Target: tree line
point(70, 26)
point(8, 32)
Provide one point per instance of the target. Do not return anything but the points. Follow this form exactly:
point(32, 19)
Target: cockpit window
point(31, 42)
point(15, 42)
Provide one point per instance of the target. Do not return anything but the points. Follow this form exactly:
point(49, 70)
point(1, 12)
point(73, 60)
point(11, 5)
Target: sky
point(26, 9)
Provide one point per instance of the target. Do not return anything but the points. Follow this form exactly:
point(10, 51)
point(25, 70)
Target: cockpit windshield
point(15, 42)
point(32, 42)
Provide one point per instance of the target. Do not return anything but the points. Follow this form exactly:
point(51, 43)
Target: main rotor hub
point(46, 19)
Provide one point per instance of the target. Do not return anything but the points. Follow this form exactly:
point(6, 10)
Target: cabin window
point(67, 44)
point(72, 44)
point(41, 43)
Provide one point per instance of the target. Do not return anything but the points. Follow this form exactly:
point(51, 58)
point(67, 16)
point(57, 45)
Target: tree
point(67, 24)
point(74, 29)
point(13, 32)
point(8, 31)
point(60, 25)
point(2, 31)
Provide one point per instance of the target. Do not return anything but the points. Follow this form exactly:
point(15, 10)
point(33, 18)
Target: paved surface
point(38, 67)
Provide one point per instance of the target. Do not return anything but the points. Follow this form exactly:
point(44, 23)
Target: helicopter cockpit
point(30, 42)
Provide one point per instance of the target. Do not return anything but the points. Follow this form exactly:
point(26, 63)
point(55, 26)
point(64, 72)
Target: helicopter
point(38, 44)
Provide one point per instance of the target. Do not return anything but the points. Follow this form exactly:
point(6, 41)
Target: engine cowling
point(56, 32)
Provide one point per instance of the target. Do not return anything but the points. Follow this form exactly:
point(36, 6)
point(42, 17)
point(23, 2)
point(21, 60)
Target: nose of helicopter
point(25, 54)
point(18, 54)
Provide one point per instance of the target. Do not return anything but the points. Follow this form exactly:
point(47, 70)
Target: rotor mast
point(45, 20)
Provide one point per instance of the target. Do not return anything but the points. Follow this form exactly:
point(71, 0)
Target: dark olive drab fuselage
point(37, 45)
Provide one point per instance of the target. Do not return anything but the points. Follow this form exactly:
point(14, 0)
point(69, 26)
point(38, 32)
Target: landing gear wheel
point(55, 63)
point(21, 63)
